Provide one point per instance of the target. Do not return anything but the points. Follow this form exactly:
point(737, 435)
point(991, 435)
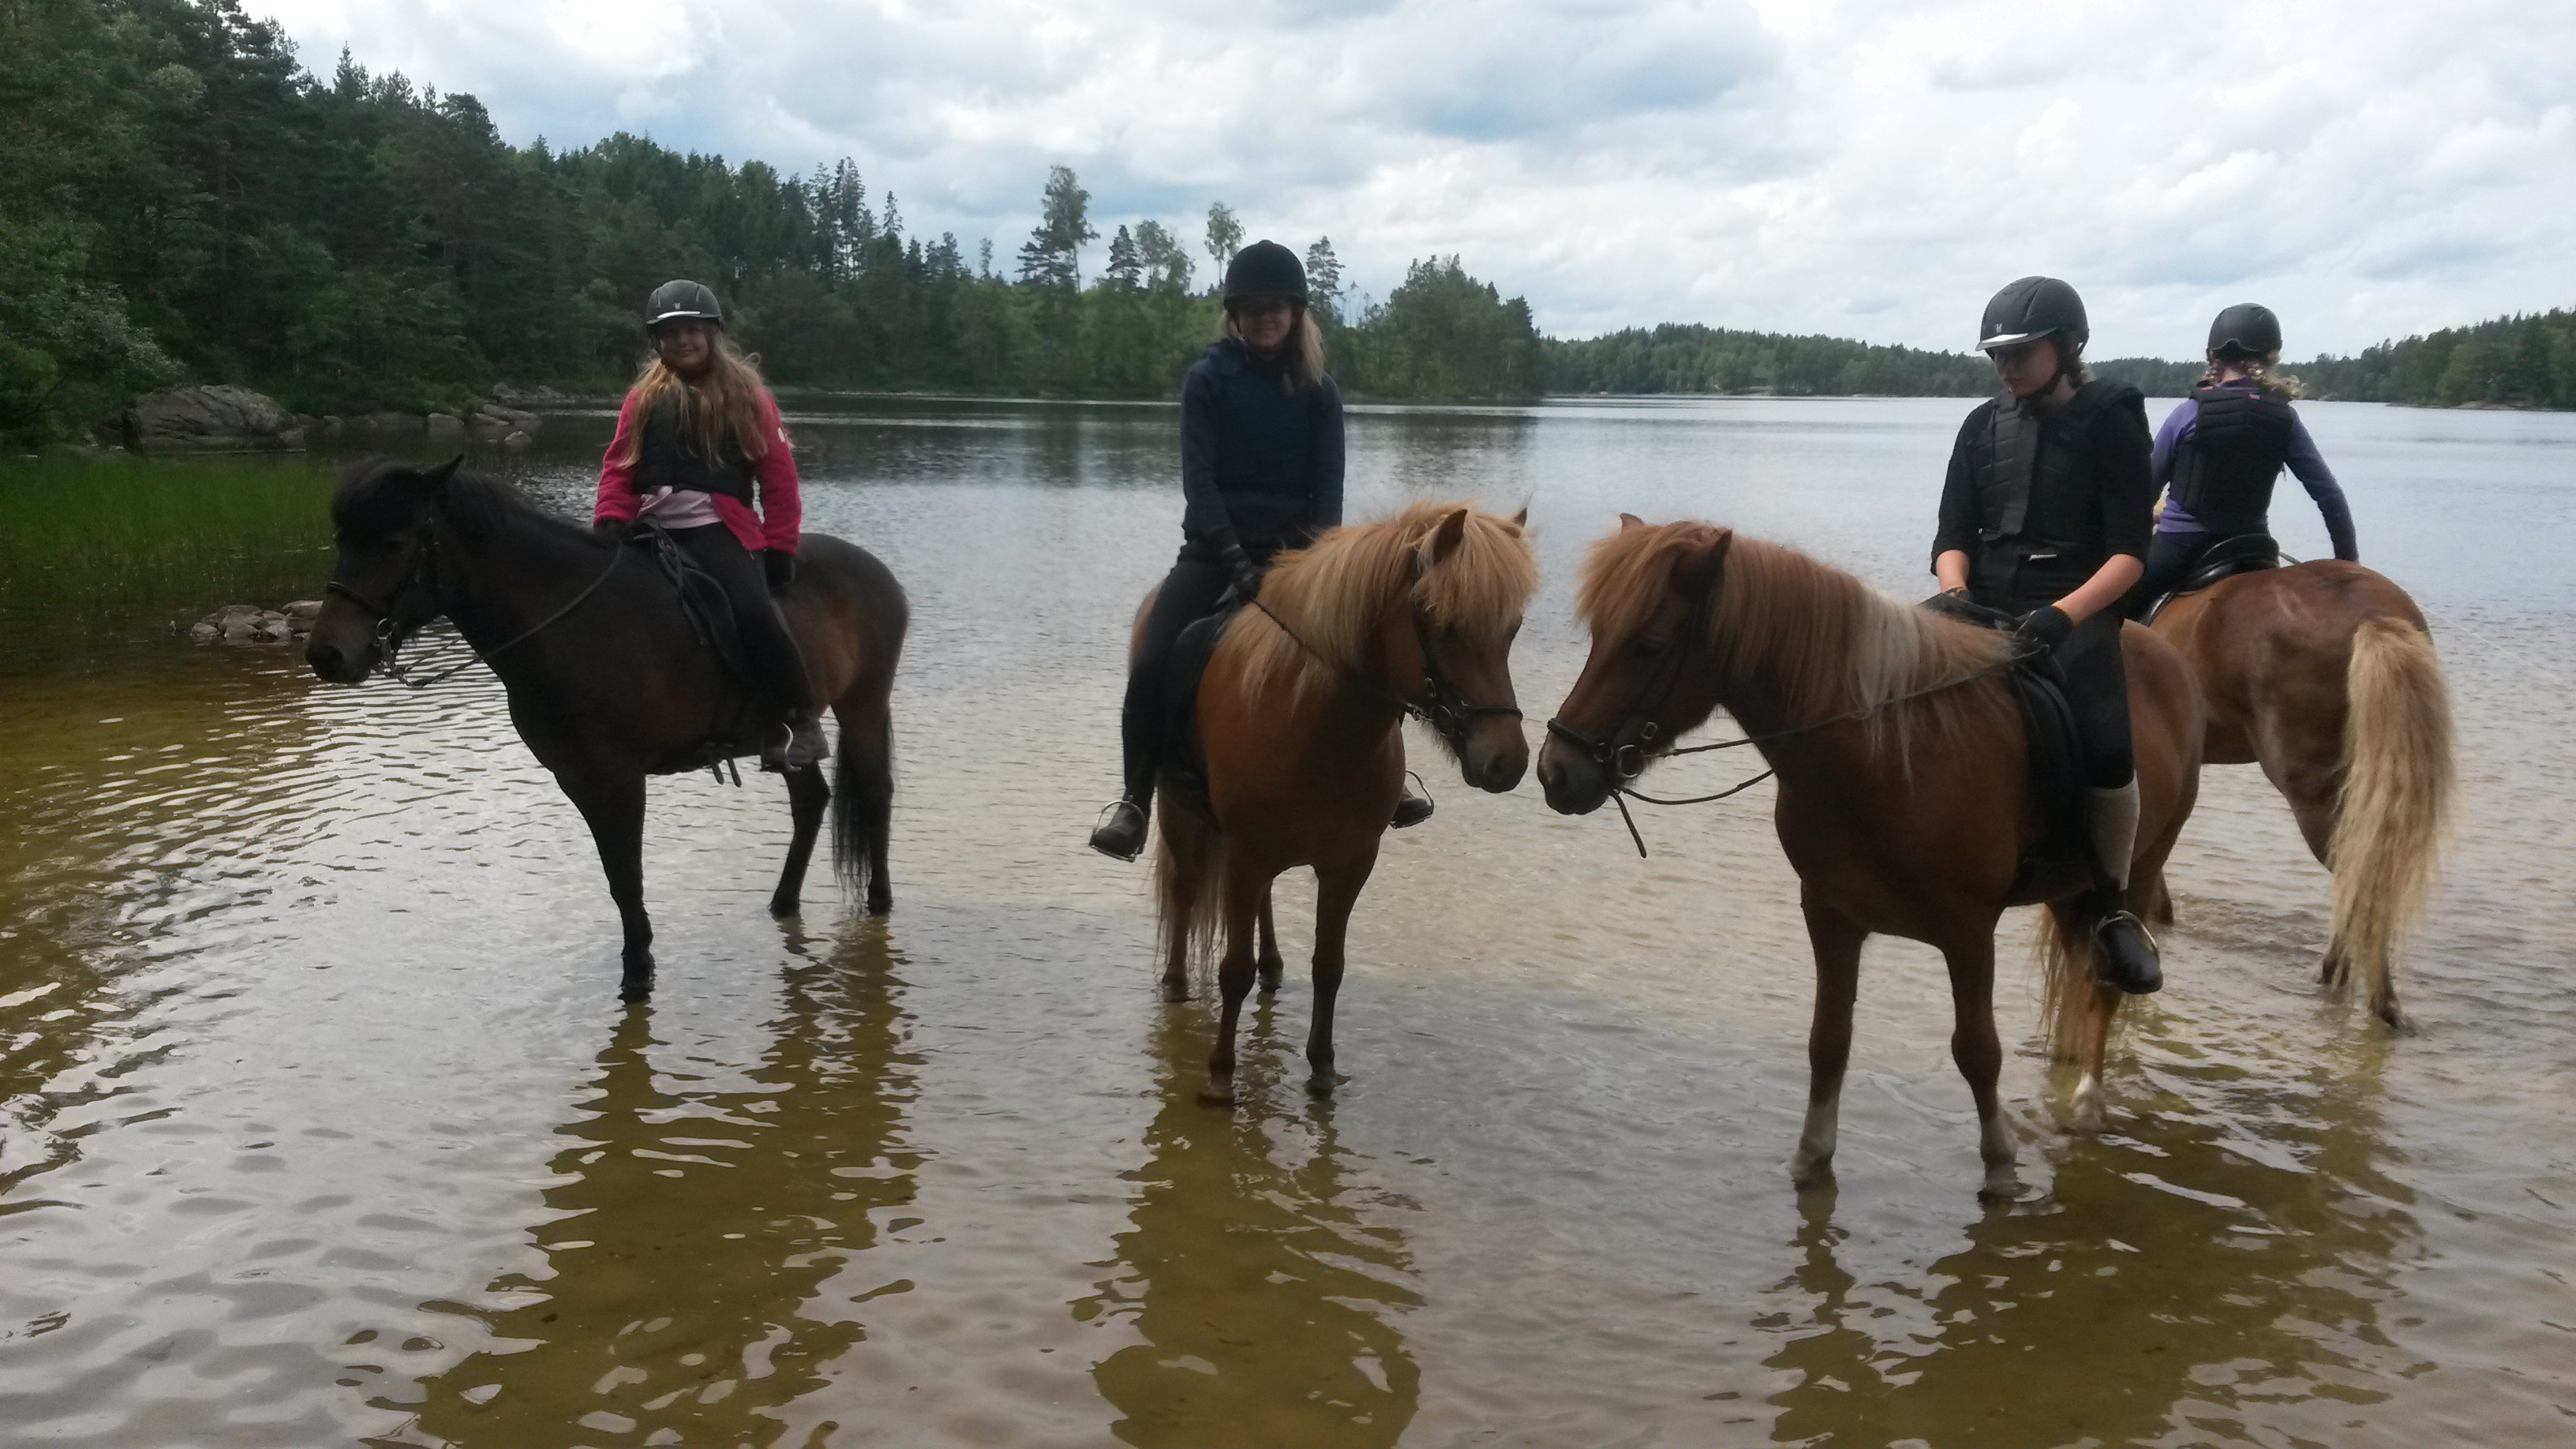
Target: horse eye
point(1647, 646)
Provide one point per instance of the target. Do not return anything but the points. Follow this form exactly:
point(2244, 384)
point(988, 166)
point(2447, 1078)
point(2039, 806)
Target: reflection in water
point(2126, 1307)
point(692, 1226)
point(1265, 1302)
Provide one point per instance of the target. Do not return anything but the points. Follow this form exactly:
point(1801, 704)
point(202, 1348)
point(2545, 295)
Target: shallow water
point(319, 1121)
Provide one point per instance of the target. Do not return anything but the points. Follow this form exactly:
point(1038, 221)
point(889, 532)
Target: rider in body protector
point(699, 450)
point(1261, 470)
point(2045, 516)
point(2219, 453)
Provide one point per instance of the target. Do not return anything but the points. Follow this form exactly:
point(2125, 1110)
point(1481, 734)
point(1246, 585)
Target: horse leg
point(1244, 890)
point(807, 794)
point(1268, 962)
point(1336, 891)
point(1981, 1056)
point(1836, 941)
point(614, 810)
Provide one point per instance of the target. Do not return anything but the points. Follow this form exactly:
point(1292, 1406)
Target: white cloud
point(1860, 167)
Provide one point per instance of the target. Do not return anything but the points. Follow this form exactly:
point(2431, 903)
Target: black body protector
point(2039, 538)
point(2223, 473)
point(666, 456)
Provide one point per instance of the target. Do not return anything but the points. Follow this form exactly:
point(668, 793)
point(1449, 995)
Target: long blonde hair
point(2260, 370)
point(725, 400)
point(1305, 348)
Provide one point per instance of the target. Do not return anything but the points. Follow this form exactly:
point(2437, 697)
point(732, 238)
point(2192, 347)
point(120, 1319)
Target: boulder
point(219, 419)
point(518, 440)
point(444, 425)
point(251, 624)
point(385, 423)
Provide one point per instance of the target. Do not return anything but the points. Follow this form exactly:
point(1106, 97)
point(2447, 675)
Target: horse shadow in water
point(607, 680)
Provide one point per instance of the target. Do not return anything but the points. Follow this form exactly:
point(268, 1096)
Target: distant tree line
point(180, 199)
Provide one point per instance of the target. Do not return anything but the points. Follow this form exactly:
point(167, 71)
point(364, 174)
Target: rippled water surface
point(320, 1123)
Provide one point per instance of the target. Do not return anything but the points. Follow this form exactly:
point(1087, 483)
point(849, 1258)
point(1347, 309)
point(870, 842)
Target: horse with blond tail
point(1298, 721)
point(1905, 801)
point(2324, 674)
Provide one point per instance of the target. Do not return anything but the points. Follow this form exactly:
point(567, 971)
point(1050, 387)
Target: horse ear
point(1696, 571)
point(1445, 537)
point(1521, 519)
point(1629, 520)
point(432, 480)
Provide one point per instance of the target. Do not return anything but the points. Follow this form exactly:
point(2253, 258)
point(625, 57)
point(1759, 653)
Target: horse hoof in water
point(1217, 1091)
point(2005, 1188)
point(1272, 974)
point(636, 988)
point(1320, 1086)
point(1806, 1174)
point(1176, 988)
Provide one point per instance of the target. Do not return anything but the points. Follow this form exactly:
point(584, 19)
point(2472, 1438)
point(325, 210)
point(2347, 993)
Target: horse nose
point(1503, 771)
point(324, 658)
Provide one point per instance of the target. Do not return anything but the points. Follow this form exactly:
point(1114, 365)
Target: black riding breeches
point(1189, 594)
point(2170, 557)
point(2097, 690)
point(771, 650)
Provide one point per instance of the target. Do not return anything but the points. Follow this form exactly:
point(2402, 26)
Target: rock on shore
point(218, 419)
point(251, 624)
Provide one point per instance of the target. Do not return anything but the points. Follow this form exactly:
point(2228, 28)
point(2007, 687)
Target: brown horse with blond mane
point(2324, 674)
point(1905, 801)
point(1298, 720)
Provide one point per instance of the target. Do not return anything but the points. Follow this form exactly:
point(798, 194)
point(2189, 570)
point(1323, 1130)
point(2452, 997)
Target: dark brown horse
point(607, 680)
point(2324, 674)
point(1904, 784)
point(1299, 720)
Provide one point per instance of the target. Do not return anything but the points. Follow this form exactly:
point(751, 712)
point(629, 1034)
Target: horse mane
point(1820, 641)
point(1331, 593)
point(377, 495)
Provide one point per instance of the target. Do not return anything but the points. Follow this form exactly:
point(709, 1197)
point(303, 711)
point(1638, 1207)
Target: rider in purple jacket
point(2219, 453)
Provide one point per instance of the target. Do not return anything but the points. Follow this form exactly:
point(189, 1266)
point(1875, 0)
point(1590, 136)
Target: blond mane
point(1820, 642)
point(1334, 594)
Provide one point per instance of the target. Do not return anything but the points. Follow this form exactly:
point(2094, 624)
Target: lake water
point(320, 1122)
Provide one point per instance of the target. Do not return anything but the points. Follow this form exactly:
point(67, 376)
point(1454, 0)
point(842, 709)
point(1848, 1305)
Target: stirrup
point(1110, 840)
point(805, 747)
point(1410, 809)
point(2135, 976)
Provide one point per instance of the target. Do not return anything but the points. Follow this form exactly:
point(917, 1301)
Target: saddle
point(2243, 554)
point(2056, 754)
point(710, 615)
point(1182, 760)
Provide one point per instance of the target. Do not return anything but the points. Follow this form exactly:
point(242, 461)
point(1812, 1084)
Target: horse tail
point(2398, 788)
point(2063, 951)
point(863, 774)
point(1189, 876)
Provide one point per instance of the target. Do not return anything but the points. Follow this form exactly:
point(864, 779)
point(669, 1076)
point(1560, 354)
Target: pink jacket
point(781, 513)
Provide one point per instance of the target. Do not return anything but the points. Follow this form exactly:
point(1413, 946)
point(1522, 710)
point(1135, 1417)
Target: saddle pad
point(1191, 652)
point(2056, 770)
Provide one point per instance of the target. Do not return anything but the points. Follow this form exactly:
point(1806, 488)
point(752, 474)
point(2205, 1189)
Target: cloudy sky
point(1856, 167)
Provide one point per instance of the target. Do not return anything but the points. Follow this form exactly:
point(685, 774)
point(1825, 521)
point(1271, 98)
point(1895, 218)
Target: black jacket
point(2090, 494)
point(1260, 466)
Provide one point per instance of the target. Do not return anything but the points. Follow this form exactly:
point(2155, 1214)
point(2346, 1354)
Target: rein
point(1627, 762)
point(390, 636)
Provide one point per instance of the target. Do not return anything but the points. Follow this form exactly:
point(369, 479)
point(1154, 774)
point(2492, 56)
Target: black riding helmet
point(2035, 307)
point(2246, 330)
point(1265, 269)
point(682, 301)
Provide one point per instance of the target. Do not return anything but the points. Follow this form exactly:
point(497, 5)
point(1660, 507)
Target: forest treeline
point(180, 199)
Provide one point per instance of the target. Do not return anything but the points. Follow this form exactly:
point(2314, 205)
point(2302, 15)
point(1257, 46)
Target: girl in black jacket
point(1261, 470)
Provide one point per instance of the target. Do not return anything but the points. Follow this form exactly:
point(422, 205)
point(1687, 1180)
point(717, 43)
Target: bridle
point(1444, 708)
point(391, 633)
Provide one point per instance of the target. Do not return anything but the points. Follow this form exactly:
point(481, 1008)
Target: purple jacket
point(2306, 464)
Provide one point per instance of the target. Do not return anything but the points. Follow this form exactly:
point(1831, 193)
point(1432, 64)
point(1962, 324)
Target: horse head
point(1472, 576)
point(382, 584)
point(1647, 592)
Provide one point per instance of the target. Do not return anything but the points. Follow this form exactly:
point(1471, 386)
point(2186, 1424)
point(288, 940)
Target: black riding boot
point(2124, 951)
point(1410, 809)
point(1122, 835)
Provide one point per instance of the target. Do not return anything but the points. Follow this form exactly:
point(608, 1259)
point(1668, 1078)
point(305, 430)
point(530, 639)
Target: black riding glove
point(780, 565)
point(2043, 629)
point(1247, 574)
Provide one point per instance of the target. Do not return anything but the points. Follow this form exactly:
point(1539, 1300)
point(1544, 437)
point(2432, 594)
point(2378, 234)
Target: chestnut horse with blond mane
point(1299, 721)
point(1905, 801)
point(2324, 674)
